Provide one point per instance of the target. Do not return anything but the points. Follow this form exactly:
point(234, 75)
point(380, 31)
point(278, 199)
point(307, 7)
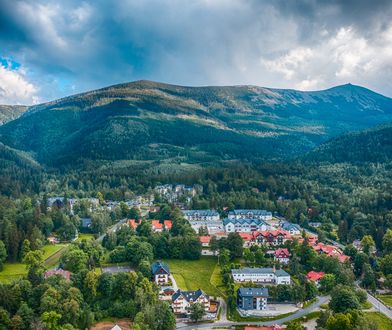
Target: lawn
point(12, 271)
point(382, 321)
point(51, 249)
point(197, 274)
point(385, 298)
point(87, 237)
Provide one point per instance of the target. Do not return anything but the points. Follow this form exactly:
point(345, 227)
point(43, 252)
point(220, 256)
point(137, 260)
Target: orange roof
point(246, 236)
point(314, 276)
point(64, 273)
point(132, 223)
point(273, 327)
point(157, 225)
point(205, 239)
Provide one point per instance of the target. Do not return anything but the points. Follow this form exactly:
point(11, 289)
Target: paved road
point(222, 323)
point(111, 229)
point(379, 306)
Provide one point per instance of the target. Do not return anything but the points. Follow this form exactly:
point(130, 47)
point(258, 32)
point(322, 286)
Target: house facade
point(261, 275)
point(244, 225)
point(271, 237)
point(183, 300)
point(282, 256)
point(201, 215)
point(252, 298)
point(291, 228)
point(250, 214)
point(160, 272)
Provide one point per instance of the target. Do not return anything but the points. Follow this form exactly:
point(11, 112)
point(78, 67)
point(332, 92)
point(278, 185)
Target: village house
point(158, 227)
point(261, 275)
point(160, 272)
point(244, 225)
point(315, 277)
point(252, 298)
point(291, 228)
point(60, 272)
point(182, 301)
point(282, 256)
point(271, 327)
point(247, 238)
point(330, 251)
point(250, 214)
point(271, 237)
point(205, 241)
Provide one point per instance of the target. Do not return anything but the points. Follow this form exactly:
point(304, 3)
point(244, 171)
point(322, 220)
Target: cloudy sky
point(50, 49)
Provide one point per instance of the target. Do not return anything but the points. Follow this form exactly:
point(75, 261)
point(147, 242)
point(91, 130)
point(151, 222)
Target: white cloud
point(15, 88)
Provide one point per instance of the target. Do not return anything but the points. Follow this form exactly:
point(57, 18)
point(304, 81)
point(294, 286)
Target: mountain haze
point(145, 121)
point(11, 112)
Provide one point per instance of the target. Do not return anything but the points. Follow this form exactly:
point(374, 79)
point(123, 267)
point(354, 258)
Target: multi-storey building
point(261, 275)
point(183, 300)
point(160, 272)
point(244, 225)
point(250, 214)
point(201, 215)
point(252, 298)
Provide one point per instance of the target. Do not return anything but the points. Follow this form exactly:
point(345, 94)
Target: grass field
point(385, 298)
point(383, 322)
point(85, 236)
point(197, 274)
point(15, 270)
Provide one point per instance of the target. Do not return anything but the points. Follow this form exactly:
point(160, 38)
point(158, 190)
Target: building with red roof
point(282, 256)
point(272, 237)
point(133, 224)
point(157, 226)
point(272, 327)
point(330, 251)
point(247, 238)
point(205, 240)
point(315, 276)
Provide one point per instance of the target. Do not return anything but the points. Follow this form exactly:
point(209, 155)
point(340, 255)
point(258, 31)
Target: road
point(379, 306)
point(224, 323)
point(112, 229)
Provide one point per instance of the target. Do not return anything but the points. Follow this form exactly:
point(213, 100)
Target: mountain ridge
point(157, 122)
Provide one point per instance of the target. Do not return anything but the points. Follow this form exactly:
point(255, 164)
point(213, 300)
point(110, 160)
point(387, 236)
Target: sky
point(51, 49)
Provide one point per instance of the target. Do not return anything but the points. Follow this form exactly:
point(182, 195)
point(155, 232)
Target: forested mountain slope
point(148, 121)
point(11, 112)
point(372, 145)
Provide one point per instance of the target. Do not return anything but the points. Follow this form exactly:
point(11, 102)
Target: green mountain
point(11, 112)
point(143, 123)
point(372, 145)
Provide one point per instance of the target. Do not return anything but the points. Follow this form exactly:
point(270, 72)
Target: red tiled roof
point(132, 223)
point(273, 233)
point(168, 224)
point(246, 236)
point(314, 276)
point(204, 239)
point(282, 253)
point(273, 327)
point(157, 225)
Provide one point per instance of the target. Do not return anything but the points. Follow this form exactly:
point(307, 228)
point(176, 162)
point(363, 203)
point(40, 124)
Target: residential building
point(61, 272)
point(282, 256)
point(244, 225)
point(261, 275)
point(247, 238)
point(330, 251)
point(271, 237)
point(272, 327)
point(291, 228)
point(205, 240)
point(158, 227)
point(85, 223)
point(315, 224)
point(182, 301)
point(201, 215)
point(252, 298)
point(160, 272)
point(250, 214)
point(315, 276)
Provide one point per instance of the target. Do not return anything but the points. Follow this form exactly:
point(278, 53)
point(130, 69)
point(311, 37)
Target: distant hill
point(372, 145)
point(145, 123)
point(11, 112)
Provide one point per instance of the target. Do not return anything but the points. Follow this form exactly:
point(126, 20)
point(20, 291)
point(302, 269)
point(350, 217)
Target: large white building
point(201, 215)
point(244, 225)
point(250, 214)
point(261, 275)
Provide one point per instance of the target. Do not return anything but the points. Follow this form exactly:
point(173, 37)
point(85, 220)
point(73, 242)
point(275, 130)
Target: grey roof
point(189, 295)
point(252, 292)
point(201, 212)
point(245, 211)
point(158, 265)
point(86, 222)
point(281, 272)
point(244, 221)
point(290, 226)
point(278, 272)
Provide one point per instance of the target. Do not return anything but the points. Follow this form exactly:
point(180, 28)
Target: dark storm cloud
point(70, 46)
